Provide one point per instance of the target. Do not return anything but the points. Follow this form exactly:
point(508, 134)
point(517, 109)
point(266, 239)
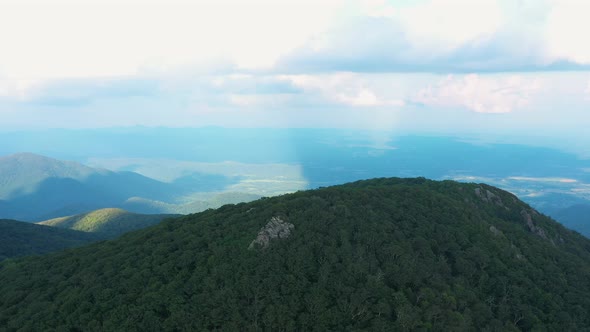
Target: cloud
point(253, 84)
point(364, 97)
point(547, 179)
point(259, 100)
point(348, 89)
point(18, 89)
point(442, 23)
point(79, 92)
point(69, 39)
point(378, 44)
point(564, 32)
point(479, 94)
point(91, 38)
point(587, 89)
point(452, 36)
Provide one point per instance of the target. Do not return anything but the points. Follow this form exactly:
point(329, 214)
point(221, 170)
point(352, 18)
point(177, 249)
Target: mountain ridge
point(58, 187)
point(382, 254)
point(22, 239)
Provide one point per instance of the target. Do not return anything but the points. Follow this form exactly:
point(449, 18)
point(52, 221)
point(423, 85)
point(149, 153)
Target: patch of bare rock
point(276, 228)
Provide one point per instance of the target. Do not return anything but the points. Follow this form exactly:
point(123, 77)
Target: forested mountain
point(110, 222)
point(381, 255)
point(22, 239)
point(56, 188)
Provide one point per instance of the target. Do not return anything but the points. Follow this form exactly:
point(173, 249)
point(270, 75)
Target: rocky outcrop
point(488, 196)
point(276, 228)
point(528, 220)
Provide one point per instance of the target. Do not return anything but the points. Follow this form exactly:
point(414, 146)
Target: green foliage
point(21, 239)
point(110, 222)
point(381, 255)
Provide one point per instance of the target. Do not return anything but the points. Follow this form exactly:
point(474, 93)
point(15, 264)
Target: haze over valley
point(234, 165)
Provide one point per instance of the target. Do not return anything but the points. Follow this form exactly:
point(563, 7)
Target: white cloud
point(18, 89)
point(80, 39)
point(447, 24)
point(480, 94)
point(258, 100)
point(365, 97)
point(587, 89)
point(92, 38)
point(344, 88)
point(565, 30)
point(548, 179)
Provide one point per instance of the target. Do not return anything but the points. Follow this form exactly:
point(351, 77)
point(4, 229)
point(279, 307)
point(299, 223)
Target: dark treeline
point(21, 239)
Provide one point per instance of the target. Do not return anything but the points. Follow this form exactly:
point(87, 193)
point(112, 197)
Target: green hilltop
point(377, 255)
point(110, 222)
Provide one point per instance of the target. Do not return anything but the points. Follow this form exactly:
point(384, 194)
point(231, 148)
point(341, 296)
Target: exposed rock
point(528, 219)
point(479, 194)
point(489, 197)
point(276, 228)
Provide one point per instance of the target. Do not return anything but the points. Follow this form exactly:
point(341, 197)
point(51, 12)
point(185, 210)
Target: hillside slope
point(381, 255)
point(57, 188)
point(109, 222)
point(22, 239)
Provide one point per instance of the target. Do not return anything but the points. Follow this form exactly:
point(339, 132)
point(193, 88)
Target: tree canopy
point(382, 255)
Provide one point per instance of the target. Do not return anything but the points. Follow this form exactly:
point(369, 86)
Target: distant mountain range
point(23, 239)
point(378, 255)
point(109, 222)
point(36, 188)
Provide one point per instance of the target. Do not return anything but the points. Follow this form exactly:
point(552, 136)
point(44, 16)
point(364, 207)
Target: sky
point(493, 67)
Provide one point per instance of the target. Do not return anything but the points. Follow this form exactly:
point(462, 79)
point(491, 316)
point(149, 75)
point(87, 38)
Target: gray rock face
point(276, 228)
point(489, 197)
point(528, 219)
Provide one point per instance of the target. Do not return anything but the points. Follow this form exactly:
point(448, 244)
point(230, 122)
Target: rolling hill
point(379, 255)
point(22, 239)
point(109, 222)
point(57, 188)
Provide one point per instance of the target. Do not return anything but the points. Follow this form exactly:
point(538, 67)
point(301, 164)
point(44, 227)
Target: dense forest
point(21, 239)
point(381, 255)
